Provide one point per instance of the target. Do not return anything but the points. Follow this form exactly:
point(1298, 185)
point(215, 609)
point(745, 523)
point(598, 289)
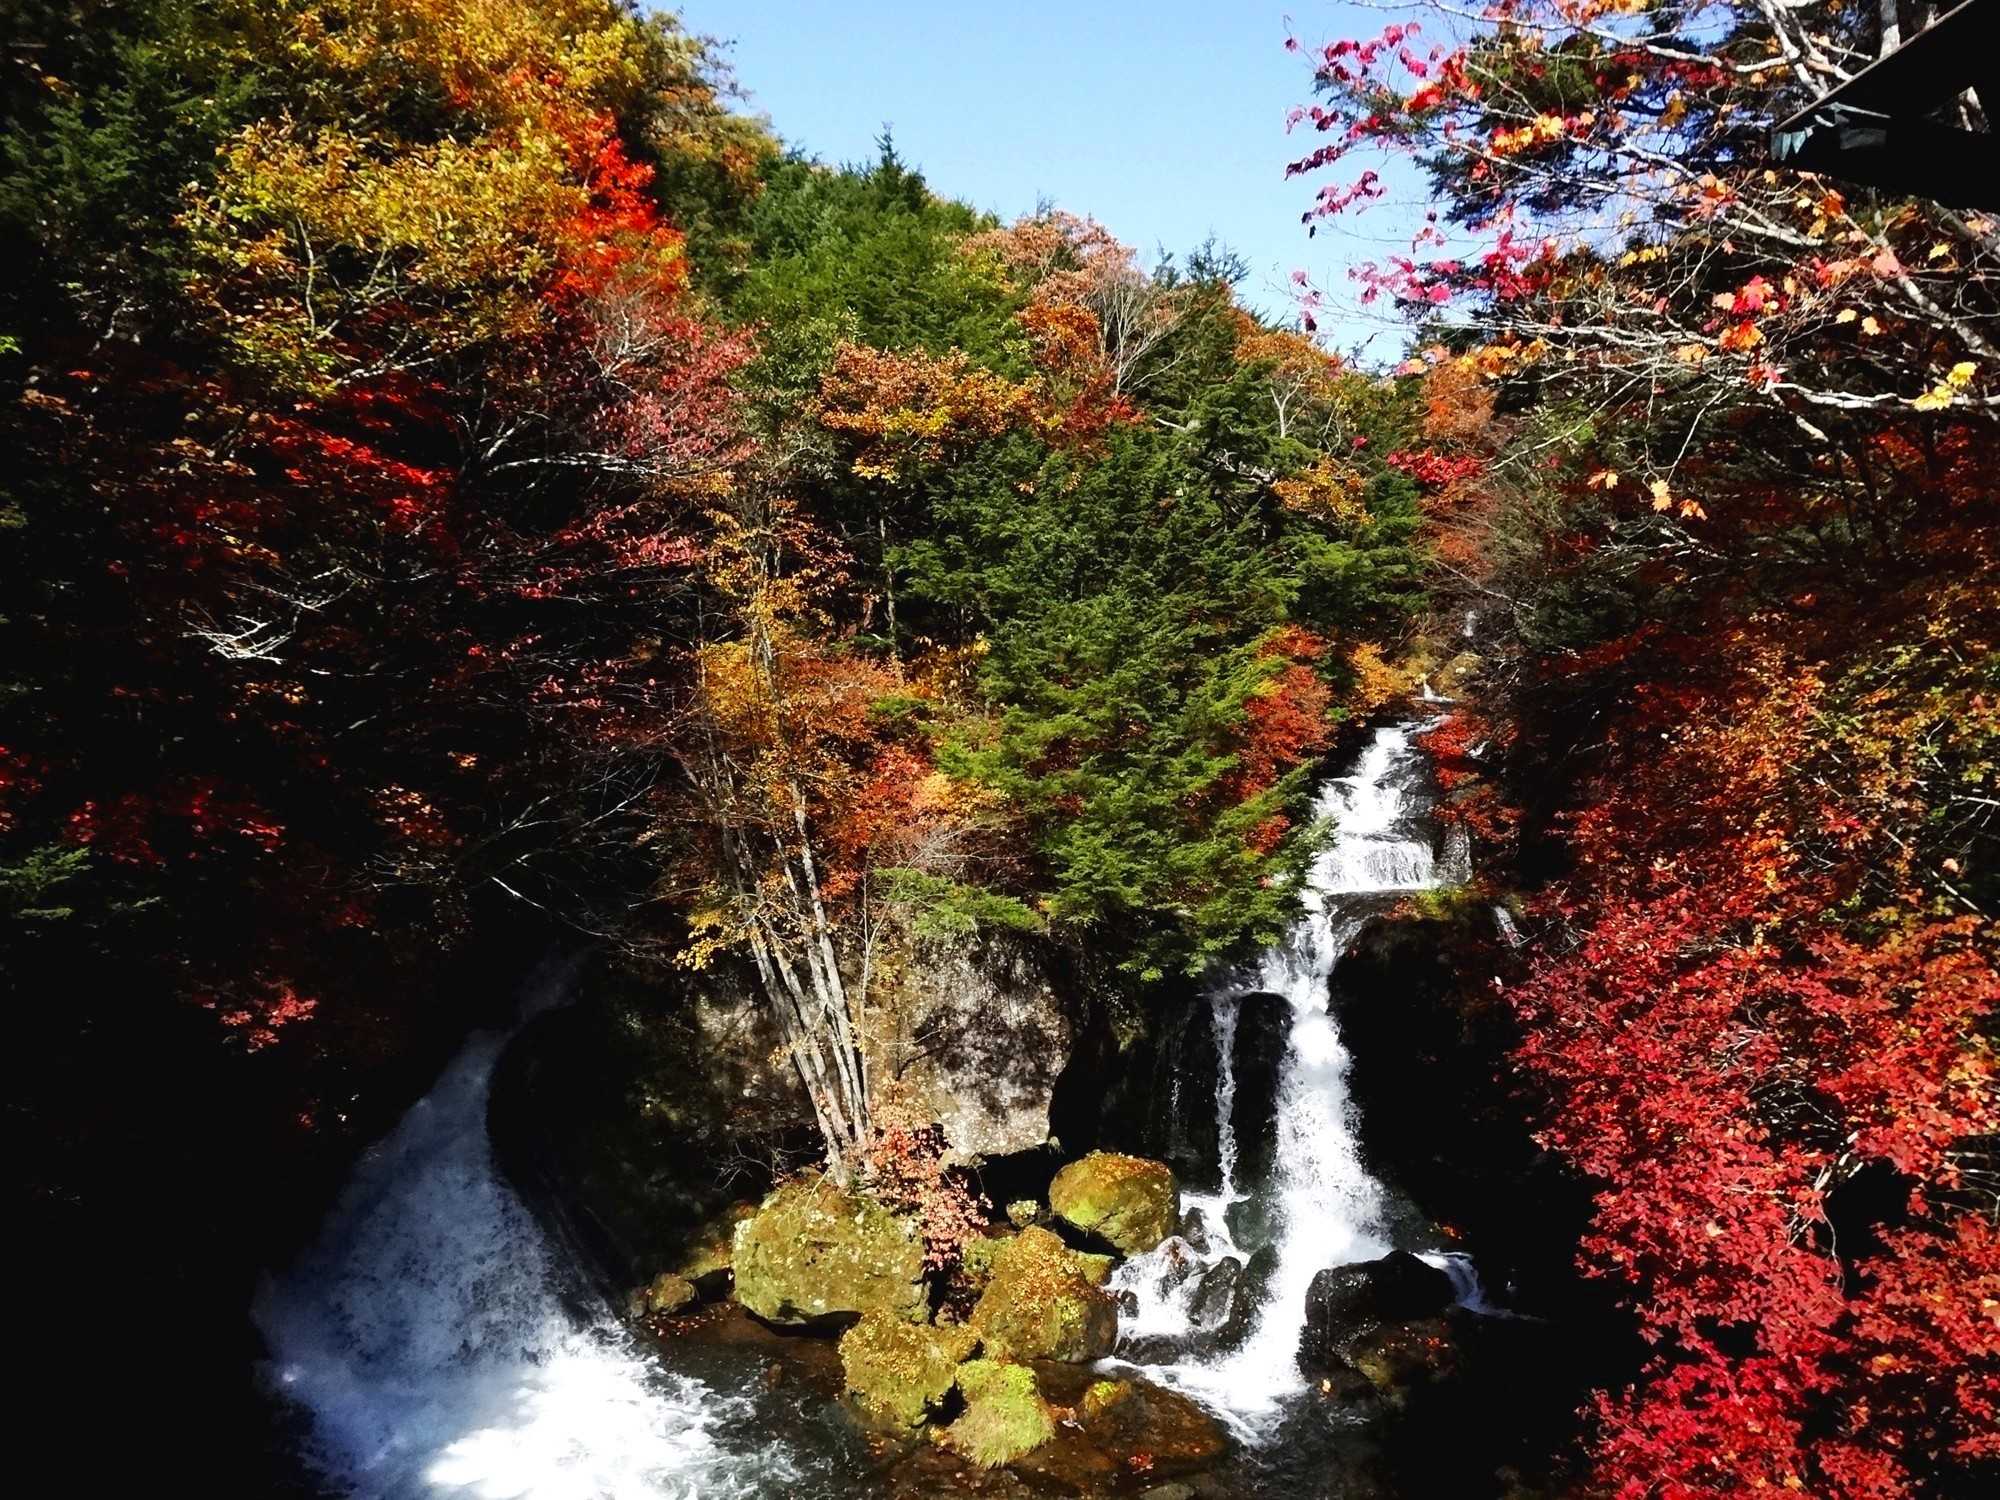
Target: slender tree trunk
point(889, 591)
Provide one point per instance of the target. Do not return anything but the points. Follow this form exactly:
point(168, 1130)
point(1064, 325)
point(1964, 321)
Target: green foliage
point(867, 254)
point(950, 911)
point(31, 887)
point(99, 140)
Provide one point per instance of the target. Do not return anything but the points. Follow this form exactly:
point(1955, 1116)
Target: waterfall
point(1327, 1207)
point(428, 1337)
point(1225, 1090)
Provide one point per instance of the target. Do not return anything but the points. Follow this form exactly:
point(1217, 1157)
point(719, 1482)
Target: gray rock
point(977, 1037)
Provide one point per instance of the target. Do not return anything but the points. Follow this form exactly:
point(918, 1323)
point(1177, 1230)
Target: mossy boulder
point(709, 1258)
point(1005, 1417)
point(663, 1296)
point(901, 1373)
point(1133, 1203)
point(1044, 1300)
point(815, 1256)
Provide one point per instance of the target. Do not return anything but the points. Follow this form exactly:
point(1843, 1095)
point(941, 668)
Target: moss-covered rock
point(814, 1256)
point(1044, 1301)
point(1005, 1417)
point(1132, 1202)
point(709, 1259)
point(1102, 1395)
point(663, 1296)
point(900, 1373)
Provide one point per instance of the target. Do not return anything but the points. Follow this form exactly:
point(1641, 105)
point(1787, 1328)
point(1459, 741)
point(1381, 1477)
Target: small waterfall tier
point(1320, 1208)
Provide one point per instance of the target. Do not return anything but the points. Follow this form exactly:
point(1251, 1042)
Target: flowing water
point(439, 1349)
point(1327, 1208)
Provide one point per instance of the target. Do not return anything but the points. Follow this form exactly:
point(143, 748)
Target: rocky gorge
point(1211, 1256)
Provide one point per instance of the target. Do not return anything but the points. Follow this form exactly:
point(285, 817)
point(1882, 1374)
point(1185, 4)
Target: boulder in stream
point(1112, 1429)
point(1347, 1304)
point(1215, 1294)
point(899, 1373)
point(1005, 1417)
point(1128, 1201)
point(665, 1295)
point(816, 1257)
point(1044, 1300)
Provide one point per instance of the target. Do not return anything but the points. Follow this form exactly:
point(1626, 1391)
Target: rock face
point(1347, 1305)
point(1045, 1301)
point(1131, 1202)
point(1153, 1093)
point(617, 1123)
point(815, 1257)
point(1136, 1416)
point(1263, 1036)
point(1005, 1417)
point(974, 1037)
point(900, 1373)
point(980, 1034)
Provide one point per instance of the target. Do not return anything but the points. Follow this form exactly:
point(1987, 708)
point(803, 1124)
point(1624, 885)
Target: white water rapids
point(428, 1337)
point(1327, 1207)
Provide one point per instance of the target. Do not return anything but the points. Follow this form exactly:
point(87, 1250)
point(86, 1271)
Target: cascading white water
point(1327, 1206)
point(1224, 1010)
point(427, 1336)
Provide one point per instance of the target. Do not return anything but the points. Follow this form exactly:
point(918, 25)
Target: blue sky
point(1163, 120)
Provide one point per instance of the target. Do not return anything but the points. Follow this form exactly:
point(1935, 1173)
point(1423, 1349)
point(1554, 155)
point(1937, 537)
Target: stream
point(438, 1346)
point(1321, 1206)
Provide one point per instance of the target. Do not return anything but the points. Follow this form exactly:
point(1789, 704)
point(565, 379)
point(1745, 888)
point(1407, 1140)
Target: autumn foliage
point(1724, 534)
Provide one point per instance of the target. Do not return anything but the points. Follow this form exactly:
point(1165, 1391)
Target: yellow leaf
point(1937, 398)
point(1603, 479)
point(1870, 327)
point(1961, 374)
point(1939, 251)
point(1662, 497)
point(1847, 315)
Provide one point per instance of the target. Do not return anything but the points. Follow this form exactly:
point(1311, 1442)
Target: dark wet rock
point(630, 1138)
point(1129, 1201)
point(1395, 1357)
point(1151, 1094)
point(1247, 1299)
point(1345, 1304)
point(1252, 1223)
point(1215, 1297)
point(1111, 1429)
point(1263, 1036)
point(815, 1257)
point(1177, 1263)
point(1194, 1229)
